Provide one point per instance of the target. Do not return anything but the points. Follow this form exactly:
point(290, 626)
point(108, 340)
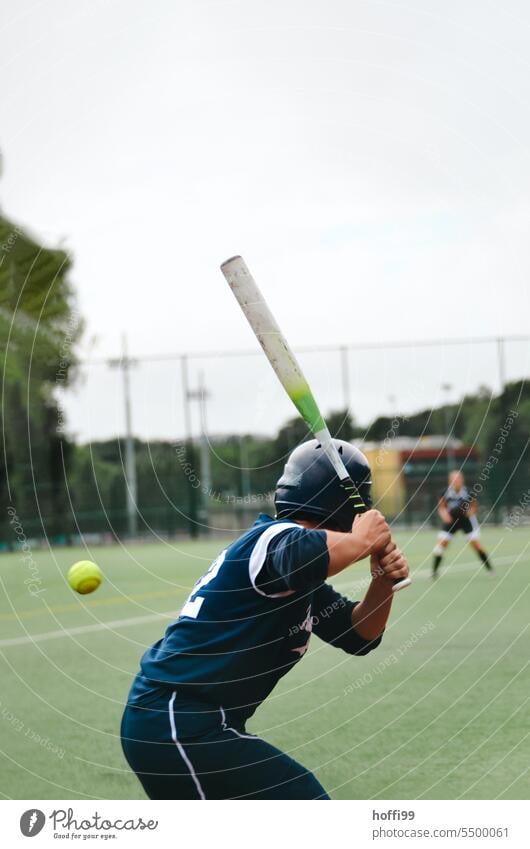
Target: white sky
point(369, 159)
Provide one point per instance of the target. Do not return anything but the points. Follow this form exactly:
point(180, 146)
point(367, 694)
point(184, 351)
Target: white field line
point(87, 629)
point(153, 617)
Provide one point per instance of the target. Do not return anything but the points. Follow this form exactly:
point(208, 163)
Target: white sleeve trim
point(259, 553)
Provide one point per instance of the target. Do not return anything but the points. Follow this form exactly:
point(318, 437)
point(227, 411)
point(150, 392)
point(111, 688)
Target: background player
point(458, 511)
point(246, 623)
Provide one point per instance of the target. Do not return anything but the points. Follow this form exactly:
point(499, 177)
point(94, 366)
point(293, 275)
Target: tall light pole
point(245, 471)
point(188, 444)
point(504, 495)
point(125, 363)
point(448, 430)
point(501, 363)
point(245, 479)
point(345, 374)
point(201, 395)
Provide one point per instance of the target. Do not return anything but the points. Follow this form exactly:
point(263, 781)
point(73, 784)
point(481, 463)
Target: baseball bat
point(289, 373)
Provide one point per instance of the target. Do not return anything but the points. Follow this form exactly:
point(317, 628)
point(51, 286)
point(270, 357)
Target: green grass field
point(438, 711)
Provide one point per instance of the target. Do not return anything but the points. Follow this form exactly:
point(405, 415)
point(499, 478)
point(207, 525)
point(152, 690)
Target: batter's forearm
point(344, 549)
point(370, 616)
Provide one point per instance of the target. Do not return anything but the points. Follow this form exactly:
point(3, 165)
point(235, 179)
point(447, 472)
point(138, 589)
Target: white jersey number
point(194, 602)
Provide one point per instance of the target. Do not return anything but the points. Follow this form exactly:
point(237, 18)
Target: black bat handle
point(360, 507)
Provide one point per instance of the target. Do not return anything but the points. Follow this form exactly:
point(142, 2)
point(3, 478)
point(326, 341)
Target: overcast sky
point(369, 159)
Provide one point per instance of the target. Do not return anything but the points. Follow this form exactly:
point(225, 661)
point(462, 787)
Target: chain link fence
point(186, 444)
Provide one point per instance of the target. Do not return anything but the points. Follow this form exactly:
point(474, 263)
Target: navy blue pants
point(181, 749)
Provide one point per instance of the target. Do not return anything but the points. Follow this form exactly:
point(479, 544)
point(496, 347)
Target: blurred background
point(369, 161)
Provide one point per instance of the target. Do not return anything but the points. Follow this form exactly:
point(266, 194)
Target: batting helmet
point(310, 489)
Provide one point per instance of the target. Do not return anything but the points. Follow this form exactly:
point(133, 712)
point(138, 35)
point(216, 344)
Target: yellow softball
point(85, 577)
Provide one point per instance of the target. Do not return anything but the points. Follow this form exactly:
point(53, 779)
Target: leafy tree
point(38, 327)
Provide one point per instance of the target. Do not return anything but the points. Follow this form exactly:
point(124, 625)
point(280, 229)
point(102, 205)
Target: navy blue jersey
point(248, 620)
point(457, 503)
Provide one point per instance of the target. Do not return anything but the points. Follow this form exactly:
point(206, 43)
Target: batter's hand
point(390, 564)
point(373, 529)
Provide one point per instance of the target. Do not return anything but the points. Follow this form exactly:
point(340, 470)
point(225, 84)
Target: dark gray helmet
point(310, 489)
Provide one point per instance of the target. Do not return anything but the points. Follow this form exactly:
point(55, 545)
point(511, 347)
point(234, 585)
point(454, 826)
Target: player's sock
point(485, 559)
point(437, 559)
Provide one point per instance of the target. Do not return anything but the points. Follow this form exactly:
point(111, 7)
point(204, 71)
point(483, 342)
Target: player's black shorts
point(460, 524)
point(183, 749)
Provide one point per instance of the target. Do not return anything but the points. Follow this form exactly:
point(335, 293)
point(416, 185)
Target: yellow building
point(409, 473)
point(388, 484)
